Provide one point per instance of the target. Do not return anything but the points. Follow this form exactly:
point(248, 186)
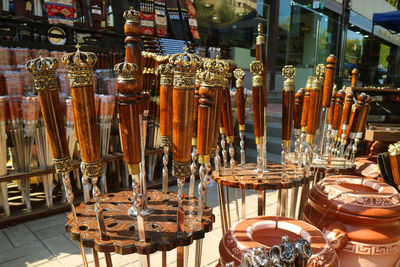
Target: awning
point(389, 20)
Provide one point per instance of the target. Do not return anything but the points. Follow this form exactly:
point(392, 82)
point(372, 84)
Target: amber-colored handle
point(205, 119)
point(258, 107)
point(240, 105)
point(337, 116)
point(166, 110)
point(226, 109)
point(54, 122)
point(332, 108)
point(182, 124)
point(329, 80)
point(306, 103)
point(348, 102)
point(261, 56)
point(287, 114)
point(297, 110)
point(196, 100)
point(355, 116)
point(395, 166)
point(217, 116)
point(128, 110)
point(354, 74)
point(312, 118)
point(364, 115)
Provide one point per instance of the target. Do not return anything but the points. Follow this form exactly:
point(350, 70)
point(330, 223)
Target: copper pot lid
point(266, 231)
point(357, 196)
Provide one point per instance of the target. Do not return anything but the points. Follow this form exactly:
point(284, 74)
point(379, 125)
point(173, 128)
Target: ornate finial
point(77, 46)
point(125, 70)
point(43, 70)
point(256, 67)
point(185, 62)
point(166, 71)
point(207, 78)
point(239, 75)
point(80, 66)
point(132, 15)
point(319, 71)
point(260, 39)
point(289, 72)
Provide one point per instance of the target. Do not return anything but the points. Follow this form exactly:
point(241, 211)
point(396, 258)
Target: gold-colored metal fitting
point(260, 39)
point(259, 140)
point(242, 127)
point(166, 141)
point(393, 150)
point(161, 58)
point(126, 70)
point(134, 169)
point(204, 159)
point(194, 141)
point(62, 165)
point(310, 138)
point(319, 71)
point(239, 75)
point(43, 70)
point(221, 130)
point(207, 78)
point(181, 169)
point(256, 67)
point(166, 72)
point(92, 170)
point(185, 62)
point(80, 66)
point(286, 143)
point(132, 15)
point(289, 72)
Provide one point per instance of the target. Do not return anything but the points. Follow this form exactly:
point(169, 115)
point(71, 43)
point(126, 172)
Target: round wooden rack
point(122, 234)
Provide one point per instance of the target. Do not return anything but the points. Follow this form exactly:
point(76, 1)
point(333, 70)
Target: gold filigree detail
point(320, 71)
point(166, 141)
point(260, 39)
point(132, 15)
point(91, 170)
point(166, 72)
point(126, 70)
point(43, 70)
point(289, 72)
point(181, 169)
point(239, 75)
point(256, 67)
point(63, 165)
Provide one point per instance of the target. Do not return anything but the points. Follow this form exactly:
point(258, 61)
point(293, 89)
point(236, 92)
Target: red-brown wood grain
point(261, 56)
point(337, 116)
point(226, 110)
point(240, 105)
point(182, 124)
point(354, 74)
point(287, 114)
point(348, 102)
point(332, 108)
point(297, 109)
point(196, 108)
point(217, 116)
point(364, 115)
point(306, 102)
point(395, 166)
point(166, 110)
point(205, 119)
point(313, 107)
point(86, 122)
point(258, 109)
point(355, 116)
point(54, 122)
point(329, 80)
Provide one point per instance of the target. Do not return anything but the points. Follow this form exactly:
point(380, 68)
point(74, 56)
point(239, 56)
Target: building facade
point(303, 33)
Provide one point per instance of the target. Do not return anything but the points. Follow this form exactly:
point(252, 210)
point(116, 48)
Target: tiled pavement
point(44, 242)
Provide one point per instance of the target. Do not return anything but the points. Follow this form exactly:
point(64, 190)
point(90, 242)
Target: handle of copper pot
point(336, 234)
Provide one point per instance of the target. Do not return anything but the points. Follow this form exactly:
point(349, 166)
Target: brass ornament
point(126, 70)
point(185, 62)
point(132, 15)
point(256, 67)
point(289, 72)
point(43, 70)
point(181, 169)
point(320, 71)
point(166, 72)
point(92, 170)
point(260, 39)
point(207, 78)
point(239, 75)
point(166, 141)
point(63, 165)
point(184, 80)
point(80, 67)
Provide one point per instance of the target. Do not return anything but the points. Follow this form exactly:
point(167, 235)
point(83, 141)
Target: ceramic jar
point(360, 217)
point(268, 231)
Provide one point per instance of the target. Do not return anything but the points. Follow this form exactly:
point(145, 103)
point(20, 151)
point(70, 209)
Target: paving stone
point(46, 222)
point(50, 231)
point(19, 235)
point(60, 246)
point(22, 255)
point(73, 260)
point(4, 242)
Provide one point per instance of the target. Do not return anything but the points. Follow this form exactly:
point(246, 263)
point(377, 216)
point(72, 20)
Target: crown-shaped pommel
point(43, 70)
point(207, 78)
point(132, 15)
point(165, 69)
point(42, 66)
point(186, 62)
point(79, 61)
point(319, 71)
point(125, 70)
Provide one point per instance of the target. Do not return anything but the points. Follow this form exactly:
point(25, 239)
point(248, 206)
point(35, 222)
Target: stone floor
point(44, 242)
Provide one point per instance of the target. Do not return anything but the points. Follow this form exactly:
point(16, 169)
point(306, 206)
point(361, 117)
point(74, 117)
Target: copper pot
point(360, 217)
point(268, 231)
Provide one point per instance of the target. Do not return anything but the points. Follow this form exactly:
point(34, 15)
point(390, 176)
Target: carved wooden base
point(122, 234)
point(246, 177)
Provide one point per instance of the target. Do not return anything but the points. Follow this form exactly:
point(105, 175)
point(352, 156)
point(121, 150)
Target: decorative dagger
point(289, 72)
point(337, 115)
point(303, 121)
point(44, 75)
point(344, 123)
point(185, 68)
point(256, 68)
point(240, 105)
point(361, 128)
